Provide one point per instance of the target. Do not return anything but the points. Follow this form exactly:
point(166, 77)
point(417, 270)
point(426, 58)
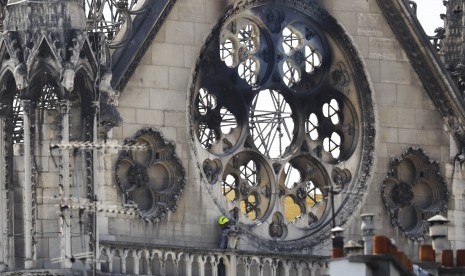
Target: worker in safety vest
point(225, 230)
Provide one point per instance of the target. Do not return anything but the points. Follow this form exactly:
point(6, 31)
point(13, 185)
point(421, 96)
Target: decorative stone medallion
point(413, 191)
point(152, 178)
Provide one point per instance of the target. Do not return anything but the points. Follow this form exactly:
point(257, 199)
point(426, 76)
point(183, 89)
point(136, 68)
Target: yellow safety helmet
point(222, 220)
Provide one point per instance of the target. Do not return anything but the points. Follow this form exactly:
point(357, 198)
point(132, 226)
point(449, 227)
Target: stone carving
point(274, 18)
point(277, 228)
point(340, 177)
point(437, 39)
point(46, 58)
point(402, 194)
point(67, 55)
point(109, 115)
point(153, 178)
point(212, 168)
point(413, 190)
point(340, 77)
point(138, 176)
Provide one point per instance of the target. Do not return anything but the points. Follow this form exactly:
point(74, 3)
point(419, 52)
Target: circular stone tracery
point(286, 129)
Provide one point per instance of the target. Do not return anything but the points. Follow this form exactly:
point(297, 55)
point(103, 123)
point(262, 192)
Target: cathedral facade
point(129, 127)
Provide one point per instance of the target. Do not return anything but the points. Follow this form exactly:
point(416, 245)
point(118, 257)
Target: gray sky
point(428, 12)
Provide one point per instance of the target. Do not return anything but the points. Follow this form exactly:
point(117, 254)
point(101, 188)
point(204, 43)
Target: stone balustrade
point(139, 259)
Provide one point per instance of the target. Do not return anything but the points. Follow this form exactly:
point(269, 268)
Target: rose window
point(414, 191)
point(274, 131)
point(152, 176)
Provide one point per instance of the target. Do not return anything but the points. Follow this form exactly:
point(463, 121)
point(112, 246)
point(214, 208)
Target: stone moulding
point(426, 63)
point(145, 26)
point(152, 179)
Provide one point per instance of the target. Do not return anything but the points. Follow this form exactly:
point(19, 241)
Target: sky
point(428, 12)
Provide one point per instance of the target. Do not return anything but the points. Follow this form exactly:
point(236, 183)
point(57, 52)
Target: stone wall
point(405, 114)
point(156, 97)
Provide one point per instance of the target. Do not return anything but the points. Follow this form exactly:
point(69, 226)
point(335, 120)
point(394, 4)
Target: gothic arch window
point(82, 108)
point(280, 117)
point(45, 97)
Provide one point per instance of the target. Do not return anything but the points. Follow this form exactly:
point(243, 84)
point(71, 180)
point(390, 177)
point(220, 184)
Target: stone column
point(97, 168)
point(136, 257)
point(65, 191)
point(189, 259)
point(124, 256)
point(247, 266)
point(300, 270)
point(4, 254)
point(110, 255)
point(202, 261)
point(27, 189)
point(149, 259)
point(456, 212)
point(287, 268)
point(232, 267)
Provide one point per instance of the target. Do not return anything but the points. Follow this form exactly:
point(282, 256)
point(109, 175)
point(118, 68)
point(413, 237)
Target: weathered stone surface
point(371, 25)
point(156, 97)
point(168, 54)
point(149, 117)
point(179, 32)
